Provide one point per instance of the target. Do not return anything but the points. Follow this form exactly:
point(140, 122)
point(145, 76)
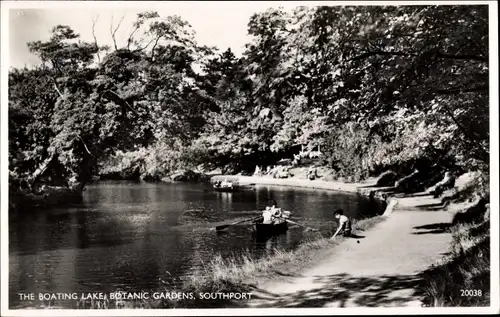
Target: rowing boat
point(224, 186)
point(261, 229)
point(226, 189)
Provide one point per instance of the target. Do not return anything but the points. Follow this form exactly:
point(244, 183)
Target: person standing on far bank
point(344, 224)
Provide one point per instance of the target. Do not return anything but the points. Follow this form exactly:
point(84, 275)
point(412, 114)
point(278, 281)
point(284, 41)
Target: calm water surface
point(125, 236)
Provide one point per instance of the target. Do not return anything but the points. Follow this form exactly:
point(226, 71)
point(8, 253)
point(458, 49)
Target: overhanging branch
point(462, 90)
point(111, 95)
point(463, 57)
point(382, 53)
point(85, 145)
point(438, 55)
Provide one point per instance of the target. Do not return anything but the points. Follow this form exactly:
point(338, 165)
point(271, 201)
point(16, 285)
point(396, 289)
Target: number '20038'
point(471, 292)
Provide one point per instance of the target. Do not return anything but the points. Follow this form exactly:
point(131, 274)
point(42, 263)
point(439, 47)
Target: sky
point(221, 24)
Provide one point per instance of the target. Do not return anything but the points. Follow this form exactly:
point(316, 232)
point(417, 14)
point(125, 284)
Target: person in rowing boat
point(344, 224)
point(272, 214)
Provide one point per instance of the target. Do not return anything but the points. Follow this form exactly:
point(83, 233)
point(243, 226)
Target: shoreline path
point(382, 270)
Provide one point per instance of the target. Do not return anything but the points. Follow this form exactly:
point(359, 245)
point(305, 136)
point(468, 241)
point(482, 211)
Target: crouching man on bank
point(344, 227)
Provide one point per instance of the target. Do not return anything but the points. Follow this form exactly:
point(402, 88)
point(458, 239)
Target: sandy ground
point(299, 182)
point(381, 270)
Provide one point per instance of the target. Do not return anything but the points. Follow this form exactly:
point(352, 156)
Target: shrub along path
point(381, 270)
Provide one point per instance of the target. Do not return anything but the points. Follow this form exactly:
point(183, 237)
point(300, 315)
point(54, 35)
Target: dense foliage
point(376, 87)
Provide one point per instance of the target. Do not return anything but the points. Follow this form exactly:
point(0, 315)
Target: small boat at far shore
point(225, 189)
point(224, 186)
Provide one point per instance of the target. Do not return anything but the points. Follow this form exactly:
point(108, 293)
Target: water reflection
point(128, 235)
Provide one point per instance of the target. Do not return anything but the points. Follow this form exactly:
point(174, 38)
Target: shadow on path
point(433, 228)
point(422, 194)
point(431, 207)
point(343, 290)
point(438, 226)
point(437, 231)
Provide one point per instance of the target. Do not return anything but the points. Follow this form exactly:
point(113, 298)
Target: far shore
point(362, 188)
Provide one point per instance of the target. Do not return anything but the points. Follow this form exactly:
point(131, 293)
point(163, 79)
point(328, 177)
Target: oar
point(298, 224)
point(222, 227)
point(246, 212)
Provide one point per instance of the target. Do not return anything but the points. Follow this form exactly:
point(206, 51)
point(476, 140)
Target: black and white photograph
point(261, 157)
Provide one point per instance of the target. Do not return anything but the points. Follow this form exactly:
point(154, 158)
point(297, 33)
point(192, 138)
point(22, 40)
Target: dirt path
point(381, 270)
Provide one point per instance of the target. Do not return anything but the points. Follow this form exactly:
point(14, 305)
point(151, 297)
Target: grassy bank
point(240, 274)
point(463, 278)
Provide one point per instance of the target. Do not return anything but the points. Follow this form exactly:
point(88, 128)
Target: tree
point(376, 86)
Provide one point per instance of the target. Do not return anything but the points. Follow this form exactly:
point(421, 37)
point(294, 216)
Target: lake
point(127, 235)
